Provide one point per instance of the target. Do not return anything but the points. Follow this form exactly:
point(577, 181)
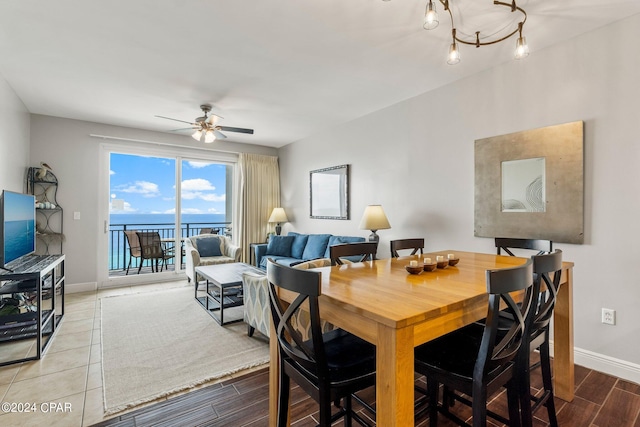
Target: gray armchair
point(208, 249)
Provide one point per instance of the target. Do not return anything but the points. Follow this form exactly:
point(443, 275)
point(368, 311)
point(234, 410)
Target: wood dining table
point(382, 303)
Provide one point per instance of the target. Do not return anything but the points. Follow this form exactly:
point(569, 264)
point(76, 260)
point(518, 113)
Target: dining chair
point(329, 366)
point(400, 244)
point(547, 270)
point(353, 252)
point(473, 360)
point(506, 244)
point(134, 247)
point(151, 248)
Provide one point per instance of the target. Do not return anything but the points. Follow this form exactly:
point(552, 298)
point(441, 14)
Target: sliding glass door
point(145, 236)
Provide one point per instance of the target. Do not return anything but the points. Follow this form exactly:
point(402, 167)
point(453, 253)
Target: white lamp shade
point(374, 218)
point(278, 215)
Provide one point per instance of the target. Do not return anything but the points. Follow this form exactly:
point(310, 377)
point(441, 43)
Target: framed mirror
point(329, 193)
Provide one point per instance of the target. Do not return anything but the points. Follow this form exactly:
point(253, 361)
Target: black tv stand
point(6, 269)
point(31, 306)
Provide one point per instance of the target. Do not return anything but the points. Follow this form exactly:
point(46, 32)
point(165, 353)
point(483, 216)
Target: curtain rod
point(168, 144)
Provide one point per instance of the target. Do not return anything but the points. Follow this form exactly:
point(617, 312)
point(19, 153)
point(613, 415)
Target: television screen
point(18, 228)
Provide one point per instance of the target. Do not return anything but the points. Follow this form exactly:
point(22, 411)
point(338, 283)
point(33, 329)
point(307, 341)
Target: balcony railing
point(119, 246)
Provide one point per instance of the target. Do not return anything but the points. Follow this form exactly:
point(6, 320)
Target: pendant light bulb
point(522, 49)
point(454, 52)
point(430, 17)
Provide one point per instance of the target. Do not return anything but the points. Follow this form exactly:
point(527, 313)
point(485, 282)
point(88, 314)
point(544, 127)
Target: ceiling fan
point(207, 126)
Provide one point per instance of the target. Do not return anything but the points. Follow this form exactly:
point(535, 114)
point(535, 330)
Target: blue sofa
point(295, 248)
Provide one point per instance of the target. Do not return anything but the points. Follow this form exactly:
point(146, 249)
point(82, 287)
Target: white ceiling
point(286, 68)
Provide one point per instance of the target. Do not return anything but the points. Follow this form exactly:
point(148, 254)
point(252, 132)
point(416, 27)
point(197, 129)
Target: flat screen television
point(17, 226)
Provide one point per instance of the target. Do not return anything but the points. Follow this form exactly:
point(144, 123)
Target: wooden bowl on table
point(413, 269)
point(430, 267)
point(443, 264)
point(454, 261)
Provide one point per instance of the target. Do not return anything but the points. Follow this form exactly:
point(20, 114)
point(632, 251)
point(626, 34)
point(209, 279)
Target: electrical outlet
point(608, 316)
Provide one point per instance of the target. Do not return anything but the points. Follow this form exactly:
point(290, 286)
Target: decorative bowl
point(430, 267)
point(454, 261)
point(413, 270)
point(443, 264)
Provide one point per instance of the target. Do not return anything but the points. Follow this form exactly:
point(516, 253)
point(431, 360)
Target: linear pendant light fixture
point(431, 21)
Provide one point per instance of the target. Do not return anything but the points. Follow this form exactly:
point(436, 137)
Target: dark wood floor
point(601, 400)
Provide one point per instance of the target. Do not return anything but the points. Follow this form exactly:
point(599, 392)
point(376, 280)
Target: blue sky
point(146, 185)
point(18, 206)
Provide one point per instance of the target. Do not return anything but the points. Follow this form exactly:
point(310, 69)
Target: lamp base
point(278, 229)
point(373, 237)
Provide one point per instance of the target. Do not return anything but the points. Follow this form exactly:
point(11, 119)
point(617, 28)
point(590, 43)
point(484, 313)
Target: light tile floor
point(64, 388)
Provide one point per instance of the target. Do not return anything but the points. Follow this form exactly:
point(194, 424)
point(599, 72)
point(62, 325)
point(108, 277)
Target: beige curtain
point(259, 183)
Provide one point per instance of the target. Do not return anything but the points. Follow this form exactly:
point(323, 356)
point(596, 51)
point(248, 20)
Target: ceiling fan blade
point(219, 134)
point(232, 129)
point(181, 129)
point(175, 120)
point(214, 118)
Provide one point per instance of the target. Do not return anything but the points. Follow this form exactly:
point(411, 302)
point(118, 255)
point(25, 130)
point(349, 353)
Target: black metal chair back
point(151, 248)
point(134, 246)
point(506, 244)
point(417, 245)
point(366, 251)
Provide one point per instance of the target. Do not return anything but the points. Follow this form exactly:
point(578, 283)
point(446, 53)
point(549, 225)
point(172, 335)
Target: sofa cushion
point(208, 246)
point(337, 240)
point(299, 242)
point(280, 245)
point(316, 246)
point(284, 260)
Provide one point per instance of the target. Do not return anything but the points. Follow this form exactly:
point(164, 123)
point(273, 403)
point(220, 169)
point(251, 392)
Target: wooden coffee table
point(224, 288)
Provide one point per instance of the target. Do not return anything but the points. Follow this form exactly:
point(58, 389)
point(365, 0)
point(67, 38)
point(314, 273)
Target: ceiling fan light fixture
point(430, 17)
point(522, 49)
point(209, 136)
point(197, 135)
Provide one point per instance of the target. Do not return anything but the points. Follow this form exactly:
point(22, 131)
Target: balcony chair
point(353, 252)
point(151, 248)
point(474, 360)
point(417, 245)
point(327, 366)
point(506, 244)
point(134, 247)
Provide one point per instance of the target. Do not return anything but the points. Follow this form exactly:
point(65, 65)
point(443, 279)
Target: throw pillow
point(299, 242)
point(280, 245)
point(316, 246)
point(208, 246)
point(337, 240)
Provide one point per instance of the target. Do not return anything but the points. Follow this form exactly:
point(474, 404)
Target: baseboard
point(606, 364)
point(80, 287)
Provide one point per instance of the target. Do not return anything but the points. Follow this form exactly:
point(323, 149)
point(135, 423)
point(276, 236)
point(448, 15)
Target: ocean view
point(163, 223)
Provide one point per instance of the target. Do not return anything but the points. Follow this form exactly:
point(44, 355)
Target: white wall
point(14, 139)
point(66, 145)
point(416, 158)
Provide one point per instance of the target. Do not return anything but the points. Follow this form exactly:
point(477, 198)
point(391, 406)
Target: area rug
point(155, 344)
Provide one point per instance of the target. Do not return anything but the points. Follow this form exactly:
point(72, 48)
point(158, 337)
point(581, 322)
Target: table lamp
point(278, 216)
point(374, 219)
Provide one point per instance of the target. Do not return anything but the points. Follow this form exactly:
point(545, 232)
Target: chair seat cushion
point(454, 353)
point(214, 260)
point(348, 356)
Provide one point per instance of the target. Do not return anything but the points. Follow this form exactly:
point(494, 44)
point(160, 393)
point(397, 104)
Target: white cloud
point(198, 165)
point(197, 184)
point(191, 211)
point(111, 172)
point(214, 197)
point(147, 189)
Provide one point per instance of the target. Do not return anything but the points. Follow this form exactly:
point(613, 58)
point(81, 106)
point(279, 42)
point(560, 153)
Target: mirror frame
point(336, 190)
point(562, 147)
